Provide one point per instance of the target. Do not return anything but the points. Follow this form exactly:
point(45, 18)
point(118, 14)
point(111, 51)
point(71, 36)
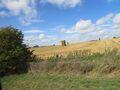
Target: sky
point(47, 22)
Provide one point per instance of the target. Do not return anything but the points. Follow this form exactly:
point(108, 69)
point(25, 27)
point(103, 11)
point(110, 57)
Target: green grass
point(58, 82)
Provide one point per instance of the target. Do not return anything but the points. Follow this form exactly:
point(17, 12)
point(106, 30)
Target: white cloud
point(42, 36)
point(104, 19)
point(24, 9)
point(41, 40)
point(106, 23)
point(32, 40)
point(116, 19)
point(33, 31)
point(82, 26)
point(20, 6)
point(63, 3)
point(28, 21)
point(106, 27)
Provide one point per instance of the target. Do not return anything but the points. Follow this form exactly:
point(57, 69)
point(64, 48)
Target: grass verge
point(58, 82)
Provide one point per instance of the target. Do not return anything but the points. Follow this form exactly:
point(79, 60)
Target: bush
point(14, 55)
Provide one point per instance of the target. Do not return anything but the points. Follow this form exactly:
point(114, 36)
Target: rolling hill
point(94, 46)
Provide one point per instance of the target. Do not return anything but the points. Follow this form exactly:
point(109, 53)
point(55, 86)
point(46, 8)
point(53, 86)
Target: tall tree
point(14, 55)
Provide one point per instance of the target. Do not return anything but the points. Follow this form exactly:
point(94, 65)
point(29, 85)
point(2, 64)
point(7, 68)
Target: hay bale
point(63, 43)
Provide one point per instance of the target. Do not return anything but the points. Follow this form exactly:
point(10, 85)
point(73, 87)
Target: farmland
point(93, 65)
point(94, 46)
point(59, 44)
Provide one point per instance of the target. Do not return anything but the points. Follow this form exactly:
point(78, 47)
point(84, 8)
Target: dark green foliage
point(14, 55)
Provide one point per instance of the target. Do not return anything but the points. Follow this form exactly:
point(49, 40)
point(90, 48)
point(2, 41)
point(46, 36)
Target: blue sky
point(45, 22)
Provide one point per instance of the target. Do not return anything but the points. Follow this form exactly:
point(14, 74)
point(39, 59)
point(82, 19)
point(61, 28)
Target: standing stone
point(63, 43)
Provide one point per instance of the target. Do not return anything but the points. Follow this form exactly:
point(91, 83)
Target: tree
point(14, 55)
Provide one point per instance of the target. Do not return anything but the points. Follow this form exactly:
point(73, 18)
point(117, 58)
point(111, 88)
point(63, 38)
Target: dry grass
point(94, 46)
point(80, 62)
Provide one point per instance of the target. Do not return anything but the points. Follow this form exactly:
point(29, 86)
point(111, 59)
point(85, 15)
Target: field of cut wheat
point(95, 46)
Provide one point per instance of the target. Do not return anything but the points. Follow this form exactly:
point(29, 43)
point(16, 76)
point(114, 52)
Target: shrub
point(14, 55)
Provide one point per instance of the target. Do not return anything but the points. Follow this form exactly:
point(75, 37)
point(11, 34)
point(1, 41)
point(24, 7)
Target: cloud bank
point(105, 27)
point(83, 30)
